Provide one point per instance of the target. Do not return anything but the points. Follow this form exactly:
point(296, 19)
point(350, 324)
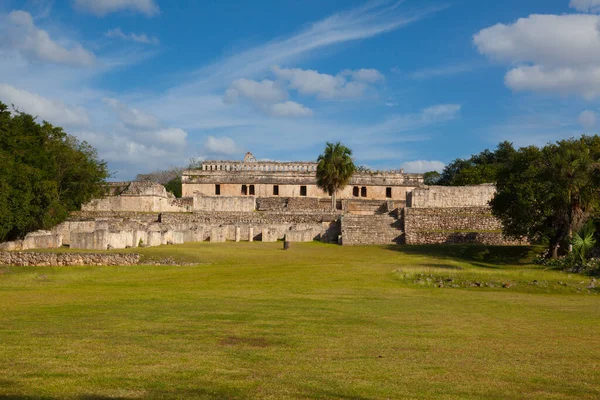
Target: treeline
point(543, 193)
point(170, 178)
point(44, 174)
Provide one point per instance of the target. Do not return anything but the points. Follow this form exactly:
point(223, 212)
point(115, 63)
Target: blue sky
point(412, 84)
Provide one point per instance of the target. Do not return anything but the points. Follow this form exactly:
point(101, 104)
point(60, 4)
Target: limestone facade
point(270, 201)
point(267, 179)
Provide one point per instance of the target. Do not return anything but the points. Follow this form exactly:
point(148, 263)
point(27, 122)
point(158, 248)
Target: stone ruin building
point(268, 201)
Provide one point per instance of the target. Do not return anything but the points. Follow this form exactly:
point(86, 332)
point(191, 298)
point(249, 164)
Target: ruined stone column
point(250, 234)
point(237, 234)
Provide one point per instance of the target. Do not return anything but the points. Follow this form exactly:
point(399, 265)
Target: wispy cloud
point(373, 19)
point(19, 33)
point(101, 8)
point(446, 70)
point(134, 37)
point(135, 132)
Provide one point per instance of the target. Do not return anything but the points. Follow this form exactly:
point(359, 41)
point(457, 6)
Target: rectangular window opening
point(302, 190)
point(355, 191)
point(388, 192)
point(251, 190)
point(275, 190)
point(217, 190)
point(244, 190)
point(363, 192)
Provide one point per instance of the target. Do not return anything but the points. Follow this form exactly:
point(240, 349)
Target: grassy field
point(249, 320)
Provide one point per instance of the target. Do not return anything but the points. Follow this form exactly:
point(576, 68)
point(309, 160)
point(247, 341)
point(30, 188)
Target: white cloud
point(587, 119)
point(132, 117)
point(369, 75)
point(422, 166)
point(557, 53)
point(220, 146)
point(442, 71)
point(267, 96)
point(553, 40)
point(21, 34)
point(142, 128)
point(53, 111)
point(134, 37)
point(290, 109)
point(592, 6)
point(266, 91)
point(104, 7)
point(584, 81)
point(325, 86)
point(170, 136)
point(441, 112)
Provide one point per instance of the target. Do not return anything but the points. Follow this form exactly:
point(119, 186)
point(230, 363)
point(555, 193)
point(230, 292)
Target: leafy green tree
point(431, 177)
point(548, 193)
point(174, 186)
point(334, 169)
point(44, 174)
point(479, 168)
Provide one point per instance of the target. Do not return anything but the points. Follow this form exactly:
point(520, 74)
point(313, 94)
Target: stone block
point(155, 238)
point(97, 240)
point(299, 236)
point(270, 234)
point(42, 240)
point(218, 234)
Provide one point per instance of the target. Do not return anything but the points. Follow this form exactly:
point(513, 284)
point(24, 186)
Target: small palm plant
point(583, 241)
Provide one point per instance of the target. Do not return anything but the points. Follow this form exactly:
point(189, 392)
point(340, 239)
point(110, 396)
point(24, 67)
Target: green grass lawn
point(249, 320)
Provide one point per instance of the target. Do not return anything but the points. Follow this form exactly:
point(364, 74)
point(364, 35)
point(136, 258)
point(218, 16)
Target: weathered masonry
point(290, 180)
point(270, 201)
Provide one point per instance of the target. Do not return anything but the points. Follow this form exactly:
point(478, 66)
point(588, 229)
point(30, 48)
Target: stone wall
point(35, 240)
point(224, 203)
point(244, 218)
point(66, 259)
point(123, 230)
point(454, 219)
point(292, 204)
point(138, 197)
point(290, 179)
point(453, 225)
point(137, 203)
point(451, 196)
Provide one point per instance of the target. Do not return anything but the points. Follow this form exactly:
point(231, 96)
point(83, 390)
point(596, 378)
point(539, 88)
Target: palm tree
point(334, 169)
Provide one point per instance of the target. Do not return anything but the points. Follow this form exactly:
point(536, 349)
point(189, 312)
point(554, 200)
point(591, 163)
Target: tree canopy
point(479, 168)
point(334, 169)
point(44, 174)
point(170, 178)
point(549, 193)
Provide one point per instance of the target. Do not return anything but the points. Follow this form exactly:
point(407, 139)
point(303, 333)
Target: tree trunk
point(570, 240)
point(554, 250)
point(555, 241)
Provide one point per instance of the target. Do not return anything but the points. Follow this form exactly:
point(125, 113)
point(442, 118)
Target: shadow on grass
point(493, 255)
point(444, 266)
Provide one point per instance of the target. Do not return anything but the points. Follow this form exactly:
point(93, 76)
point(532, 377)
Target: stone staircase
point(372, 229)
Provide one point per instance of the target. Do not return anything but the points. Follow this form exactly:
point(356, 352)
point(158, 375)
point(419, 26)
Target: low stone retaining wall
point(450, 219)
point(454, 225)
point(253, 218)
point(25, 259)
